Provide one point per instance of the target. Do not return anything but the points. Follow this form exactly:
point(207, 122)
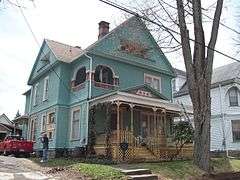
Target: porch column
point(131, 109)
point(155, 120)
point(118, 121)
point(165, 121)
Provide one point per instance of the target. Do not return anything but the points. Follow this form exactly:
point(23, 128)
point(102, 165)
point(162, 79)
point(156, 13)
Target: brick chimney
point(103, 29)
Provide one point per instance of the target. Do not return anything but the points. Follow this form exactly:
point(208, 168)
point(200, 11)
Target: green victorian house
point(115, 95)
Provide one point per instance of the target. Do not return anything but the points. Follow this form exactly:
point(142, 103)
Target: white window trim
point(35, 94)
point(72, 111)
point(45, 122)
point(154, 77)
point(45, 96)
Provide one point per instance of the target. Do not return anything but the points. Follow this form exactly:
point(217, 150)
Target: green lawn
point(167, 170)
point(97, 171)
point(186, 169)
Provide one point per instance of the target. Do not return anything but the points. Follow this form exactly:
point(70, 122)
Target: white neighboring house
point(180, 79)
point(5, 126)
point(225, 107)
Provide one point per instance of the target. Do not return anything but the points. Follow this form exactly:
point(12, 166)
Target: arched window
point(80, 76)
point(233, 96)
point(103, 74)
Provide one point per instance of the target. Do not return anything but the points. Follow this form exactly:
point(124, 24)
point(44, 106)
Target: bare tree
point(174, 19)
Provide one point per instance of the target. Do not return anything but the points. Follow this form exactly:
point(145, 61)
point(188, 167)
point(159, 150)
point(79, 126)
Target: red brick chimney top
point(103, 29)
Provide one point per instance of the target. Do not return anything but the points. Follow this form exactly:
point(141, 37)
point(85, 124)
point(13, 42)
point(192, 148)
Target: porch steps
point(138, 174)
point(136, 171)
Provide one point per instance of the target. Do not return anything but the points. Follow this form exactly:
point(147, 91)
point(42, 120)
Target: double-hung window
point(153, 81)
point(46, 89)
point(35, 95)
point(75, 134)
point(236, 130)
point(233, 96)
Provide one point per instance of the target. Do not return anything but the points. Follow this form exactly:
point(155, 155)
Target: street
point(19, 169)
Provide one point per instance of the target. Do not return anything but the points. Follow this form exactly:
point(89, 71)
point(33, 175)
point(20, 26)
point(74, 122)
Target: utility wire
point(39, 45)
point(164, 27)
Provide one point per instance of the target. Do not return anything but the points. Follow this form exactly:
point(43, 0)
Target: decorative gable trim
point(146, 91)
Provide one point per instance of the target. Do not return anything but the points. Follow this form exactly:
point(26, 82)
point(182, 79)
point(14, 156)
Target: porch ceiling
point(140, 100)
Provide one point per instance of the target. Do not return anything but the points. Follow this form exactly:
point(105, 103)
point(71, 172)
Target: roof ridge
point(104, 37)
point(64, 44)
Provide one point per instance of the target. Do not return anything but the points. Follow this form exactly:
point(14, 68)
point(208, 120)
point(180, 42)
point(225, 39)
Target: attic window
point(80, 76)
point(133, 48)
point(103, 74)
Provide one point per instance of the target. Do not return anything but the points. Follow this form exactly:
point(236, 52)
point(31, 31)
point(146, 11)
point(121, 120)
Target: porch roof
point(140, 100)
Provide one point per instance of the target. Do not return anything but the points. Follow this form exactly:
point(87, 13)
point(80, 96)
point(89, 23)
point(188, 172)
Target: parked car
point(16, 145)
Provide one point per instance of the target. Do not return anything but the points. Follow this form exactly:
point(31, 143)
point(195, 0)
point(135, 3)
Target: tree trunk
point(202, 116)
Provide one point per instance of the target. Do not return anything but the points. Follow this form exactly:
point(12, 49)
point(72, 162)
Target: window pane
point(236, 130)
point(80, 76)
point(76, 125)
point(148, 80)
point(46, 83)
point(156, 84)
point(75, 129)
point(51, 118)
point(233, 97)
point(76, 115)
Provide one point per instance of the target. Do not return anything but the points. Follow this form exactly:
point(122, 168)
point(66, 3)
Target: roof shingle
point(64, 52)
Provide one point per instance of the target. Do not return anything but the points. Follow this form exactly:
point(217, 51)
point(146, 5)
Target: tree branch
point(186, 48)
point(213, 39)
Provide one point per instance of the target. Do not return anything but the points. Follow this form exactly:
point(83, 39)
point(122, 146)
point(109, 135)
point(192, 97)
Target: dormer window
point(104, 74)
point(233, 96)
point(80, 76)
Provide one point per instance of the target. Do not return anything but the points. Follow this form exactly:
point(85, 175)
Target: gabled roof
point(64, 52)
point(179, 72)
point(222, 75)
point(227, 72)
point(4, 117)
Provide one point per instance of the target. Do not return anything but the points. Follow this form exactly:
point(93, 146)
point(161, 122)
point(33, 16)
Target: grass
point(170, 170)
point(167, 170)
point(57, 162)
point(186, 169)
point(97, 171)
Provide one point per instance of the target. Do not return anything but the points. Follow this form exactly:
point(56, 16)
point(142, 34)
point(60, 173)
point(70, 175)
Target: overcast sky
point(72, 22)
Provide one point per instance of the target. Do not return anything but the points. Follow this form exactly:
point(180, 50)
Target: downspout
point(222, 118)
point(89, 94)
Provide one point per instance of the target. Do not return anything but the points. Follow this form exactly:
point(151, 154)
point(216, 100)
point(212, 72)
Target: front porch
point(142, 128)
